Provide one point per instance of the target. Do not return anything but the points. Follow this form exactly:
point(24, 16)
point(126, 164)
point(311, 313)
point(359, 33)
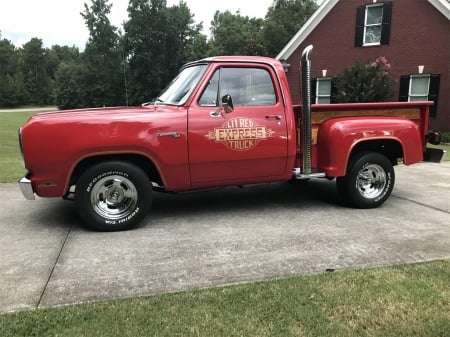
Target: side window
point(210, 95)
point(373, 24)
point(420, 87)
point(247, 87)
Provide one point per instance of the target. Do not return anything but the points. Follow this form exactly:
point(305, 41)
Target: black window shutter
point(404, 88)
point(333, 91)
point(313, 90)
point(433, 93)
point(386, 25)
point(359, 30)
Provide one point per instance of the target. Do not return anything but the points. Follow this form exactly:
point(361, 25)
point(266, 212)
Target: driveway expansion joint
point(421, 204)
point(38, 305)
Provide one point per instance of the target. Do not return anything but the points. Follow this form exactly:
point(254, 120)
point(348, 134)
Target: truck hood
point(108, 127)
point(105, 114)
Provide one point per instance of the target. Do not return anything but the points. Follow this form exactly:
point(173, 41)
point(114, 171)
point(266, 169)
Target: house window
point(373, 24)
point(420, 87)
point(323, 90)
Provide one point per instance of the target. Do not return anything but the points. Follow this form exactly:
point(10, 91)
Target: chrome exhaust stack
point(306, 171)
point(306, 108)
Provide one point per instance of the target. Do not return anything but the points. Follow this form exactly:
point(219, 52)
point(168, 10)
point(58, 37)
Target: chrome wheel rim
point(114, 197)
point(371, 181)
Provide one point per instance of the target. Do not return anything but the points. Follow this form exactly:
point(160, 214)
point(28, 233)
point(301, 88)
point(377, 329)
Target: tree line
point(131, 64)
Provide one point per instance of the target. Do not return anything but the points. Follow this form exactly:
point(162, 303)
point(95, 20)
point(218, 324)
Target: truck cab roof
point(237, 59)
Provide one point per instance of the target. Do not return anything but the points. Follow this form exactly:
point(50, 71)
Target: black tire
point(113, 195)
point(368, 182)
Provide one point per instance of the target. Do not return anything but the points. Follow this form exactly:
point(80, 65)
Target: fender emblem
point(240, 134)
point(168, 134)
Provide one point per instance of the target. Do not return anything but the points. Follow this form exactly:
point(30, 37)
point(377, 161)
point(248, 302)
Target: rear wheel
point(113, 196)
point(369, 180)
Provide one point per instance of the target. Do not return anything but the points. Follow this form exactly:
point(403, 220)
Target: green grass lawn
point(401, 301)
point(11, 167)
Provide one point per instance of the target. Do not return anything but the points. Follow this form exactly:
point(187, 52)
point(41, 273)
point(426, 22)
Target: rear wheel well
point(392, 149)
point(141, 161)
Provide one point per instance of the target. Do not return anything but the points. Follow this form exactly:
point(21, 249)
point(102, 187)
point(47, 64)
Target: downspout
point(306, 108)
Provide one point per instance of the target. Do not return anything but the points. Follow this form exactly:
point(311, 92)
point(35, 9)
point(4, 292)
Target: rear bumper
point(26, 188)
point(434, 155)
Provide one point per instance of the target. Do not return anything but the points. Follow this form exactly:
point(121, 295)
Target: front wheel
point(113, 195)
point(369, 180)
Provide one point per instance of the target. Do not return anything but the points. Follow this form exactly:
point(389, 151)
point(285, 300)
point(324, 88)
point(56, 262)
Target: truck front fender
point(338, 138)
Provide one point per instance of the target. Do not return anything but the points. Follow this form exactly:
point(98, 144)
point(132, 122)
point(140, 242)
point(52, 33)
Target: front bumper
point(26, 188)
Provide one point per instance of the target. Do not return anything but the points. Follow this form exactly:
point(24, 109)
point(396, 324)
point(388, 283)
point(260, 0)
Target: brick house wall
point(419, 35)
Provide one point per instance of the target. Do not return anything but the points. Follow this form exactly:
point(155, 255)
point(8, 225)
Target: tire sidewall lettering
point(102, 175)
point(386, 188)
point(129, 217)
point(123, 220)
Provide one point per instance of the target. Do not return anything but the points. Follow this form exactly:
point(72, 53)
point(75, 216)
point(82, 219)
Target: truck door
point(248, 144)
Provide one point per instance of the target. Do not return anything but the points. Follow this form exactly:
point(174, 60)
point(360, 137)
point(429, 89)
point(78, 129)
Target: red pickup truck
point(222, 121)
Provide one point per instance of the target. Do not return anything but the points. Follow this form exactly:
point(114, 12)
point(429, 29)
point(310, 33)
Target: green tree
point(234, 34)
point(12, 90)
point(70, 91)
point(8, 57)
point(365, 81)
point(11, 78)
point(59, 54)
point(283, 19)
point(196, 47)
point(103, 77)
point(145, 47)
point(181, 30)
point(35, 68)
point(157, 39)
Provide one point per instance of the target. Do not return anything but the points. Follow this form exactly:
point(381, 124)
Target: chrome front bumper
point(26, 188)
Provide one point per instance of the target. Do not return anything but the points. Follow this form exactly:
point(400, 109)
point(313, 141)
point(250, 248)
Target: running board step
point(314, 174)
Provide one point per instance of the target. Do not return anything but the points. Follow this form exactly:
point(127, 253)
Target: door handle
point(215, 114)
point(276, 117)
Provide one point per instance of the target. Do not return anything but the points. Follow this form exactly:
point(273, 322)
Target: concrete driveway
point(217, 237)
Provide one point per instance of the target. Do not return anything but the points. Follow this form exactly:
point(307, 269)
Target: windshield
point(179, 90)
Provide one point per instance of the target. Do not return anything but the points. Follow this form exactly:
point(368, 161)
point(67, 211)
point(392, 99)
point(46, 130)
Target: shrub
point(365, 81)
point(445, 137)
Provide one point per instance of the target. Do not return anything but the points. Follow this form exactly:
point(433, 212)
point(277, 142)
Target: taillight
point(434, 137)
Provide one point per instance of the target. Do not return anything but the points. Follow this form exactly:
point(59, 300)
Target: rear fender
point(338, 138)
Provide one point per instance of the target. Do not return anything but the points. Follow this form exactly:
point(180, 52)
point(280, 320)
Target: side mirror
point(227, 106)
point(227, 103)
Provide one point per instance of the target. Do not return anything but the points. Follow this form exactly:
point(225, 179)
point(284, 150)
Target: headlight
point(21, 146)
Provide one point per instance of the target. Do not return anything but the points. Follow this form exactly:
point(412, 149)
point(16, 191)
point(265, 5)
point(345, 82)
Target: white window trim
point(322, 79)
point(411, 79)
point(366, 25)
